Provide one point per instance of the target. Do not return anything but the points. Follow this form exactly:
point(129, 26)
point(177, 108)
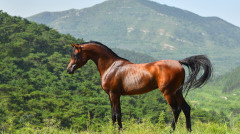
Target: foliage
point(211, 98)
point(221, 94)
point(229, 81)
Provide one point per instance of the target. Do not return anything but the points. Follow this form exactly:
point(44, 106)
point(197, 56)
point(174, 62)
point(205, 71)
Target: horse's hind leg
point(171, 99)
point(176, 112)
point(185, 107)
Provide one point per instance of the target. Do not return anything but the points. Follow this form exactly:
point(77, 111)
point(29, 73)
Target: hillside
point(221, 94)
point(229, 82)
point(35, 88)
point(144, 26)
point(212, 98)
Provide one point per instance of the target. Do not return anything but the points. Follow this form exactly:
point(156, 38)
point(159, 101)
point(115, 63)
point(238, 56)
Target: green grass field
point(132, 127)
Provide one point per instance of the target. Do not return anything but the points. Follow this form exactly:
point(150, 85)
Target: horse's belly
point(138, 84)
point(136, 91)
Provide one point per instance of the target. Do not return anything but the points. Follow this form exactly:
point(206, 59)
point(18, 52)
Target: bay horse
point(122, 77)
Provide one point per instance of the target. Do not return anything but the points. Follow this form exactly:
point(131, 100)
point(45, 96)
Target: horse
point(122, 77)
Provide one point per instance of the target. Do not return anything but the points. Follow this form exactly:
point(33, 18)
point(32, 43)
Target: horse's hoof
point(189, 129)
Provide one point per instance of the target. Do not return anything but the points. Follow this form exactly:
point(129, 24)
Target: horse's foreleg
point(119, 117)
point(112, 112)
point(116, 108)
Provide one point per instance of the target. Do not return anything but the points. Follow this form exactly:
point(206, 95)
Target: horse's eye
point(75, 56)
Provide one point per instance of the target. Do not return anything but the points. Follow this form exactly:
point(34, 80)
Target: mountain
point(144, 26)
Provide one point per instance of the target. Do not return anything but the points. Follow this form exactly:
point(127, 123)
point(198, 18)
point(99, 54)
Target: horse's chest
point(108, 81)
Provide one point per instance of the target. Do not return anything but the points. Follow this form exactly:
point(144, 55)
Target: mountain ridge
point(148, 27)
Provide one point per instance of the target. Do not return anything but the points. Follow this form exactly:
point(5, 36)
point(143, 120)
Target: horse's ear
point(74, 45)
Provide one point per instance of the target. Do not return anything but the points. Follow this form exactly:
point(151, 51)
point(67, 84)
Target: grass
point(132, 127)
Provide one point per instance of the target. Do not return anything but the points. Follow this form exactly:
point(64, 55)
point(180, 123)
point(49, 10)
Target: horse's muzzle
point(70, 72)
point(71, 69)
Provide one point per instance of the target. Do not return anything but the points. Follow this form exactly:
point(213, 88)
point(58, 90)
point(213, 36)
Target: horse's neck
point(102, 59)
point(104, 64)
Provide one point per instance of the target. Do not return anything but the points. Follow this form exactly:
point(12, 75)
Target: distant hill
point(229, 82)
point(148, 27)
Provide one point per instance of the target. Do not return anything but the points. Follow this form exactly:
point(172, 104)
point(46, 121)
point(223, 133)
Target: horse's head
point(78, 59)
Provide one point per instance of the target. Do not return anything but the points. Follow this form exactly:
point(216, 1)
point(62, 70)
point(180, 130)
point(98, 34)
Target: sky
point(228, 10)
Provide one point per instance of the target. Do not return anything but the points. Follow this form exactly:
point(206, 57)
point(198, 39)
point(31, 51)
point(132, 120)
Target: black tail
point(194, 64)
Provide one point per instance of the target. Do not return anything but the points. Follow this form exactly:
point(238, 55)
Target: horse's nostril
point(70, 72)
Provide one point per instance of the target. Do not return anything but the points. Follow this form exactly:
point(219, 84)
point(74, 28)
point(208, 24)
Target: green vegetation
point(148, 27)
point(229, 82)
point(38, 96)
point(222, 94)
point(132, 127)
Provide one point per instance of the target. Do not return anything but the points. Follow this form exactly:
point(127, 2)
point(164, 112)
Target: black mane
point(102, 45)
